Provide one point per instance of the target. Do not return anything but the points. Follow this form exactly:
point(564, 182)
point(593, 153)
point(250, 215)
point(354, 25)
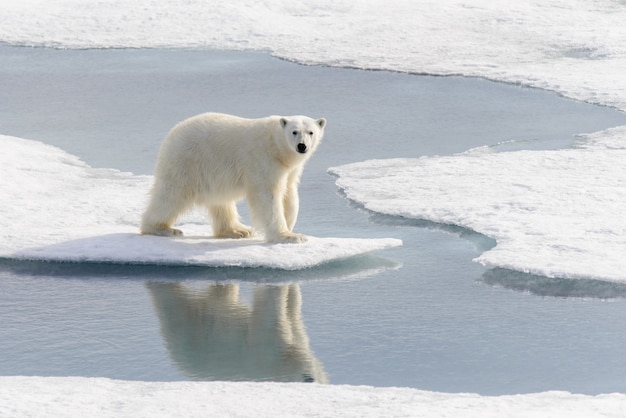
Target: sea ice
point(552, 213)
point(100, 397)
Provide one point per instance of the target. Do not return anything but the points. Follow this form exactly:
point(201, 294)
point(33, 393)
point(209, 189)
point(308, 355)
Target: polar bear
point(214, 160)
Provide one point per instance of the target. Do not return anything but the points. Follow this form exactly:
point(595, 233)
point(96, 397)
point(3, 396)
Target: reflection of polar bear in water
point(211, 335)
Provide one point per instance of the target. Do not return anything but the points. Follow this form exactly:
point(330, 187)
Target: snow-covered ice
point(567, 198)
point(576, 47)
point(55, 207)
point(552, 213)
point(76, 396)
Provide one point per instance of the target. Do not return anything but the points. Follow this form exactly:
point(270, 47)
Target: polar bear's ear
point(321, 122)
point(283, 122)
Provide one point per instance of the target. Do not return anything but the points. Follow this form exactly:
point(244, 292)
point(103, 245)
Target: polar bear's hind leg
point(162, 212)
point(226, 224)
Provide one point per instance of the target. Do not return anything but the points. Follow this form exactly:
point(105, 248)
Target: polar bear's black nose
point(301, 148)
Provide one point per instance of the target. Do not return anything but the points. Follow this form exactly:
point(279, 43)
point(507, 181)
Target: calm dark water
point(423, 315)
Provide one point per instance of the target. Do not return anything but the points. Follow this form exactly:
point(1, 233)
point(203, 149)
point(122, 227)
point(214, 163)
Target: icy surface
point(552, 213)
point(55, 207)
point(577, 47)
point(99, 397)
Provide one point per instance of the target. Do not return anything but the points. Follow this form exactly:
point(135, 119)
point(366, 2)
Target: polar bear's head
point(302, 133)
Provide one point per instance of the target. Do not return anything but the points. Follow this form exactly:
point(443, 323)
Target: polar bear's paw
point(162, 232)
point(238, 231)
point(289, 238)
point(173, 232)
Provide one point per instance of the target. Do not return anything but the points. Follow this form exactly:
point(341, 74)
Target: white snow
point(575, 47)
point(546, 209)
point(552, 213)
point(99, 397)
point(55, 207)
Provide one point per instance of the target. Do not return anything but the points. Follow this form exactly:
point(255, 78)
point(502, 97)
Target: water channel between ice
point(423, 315)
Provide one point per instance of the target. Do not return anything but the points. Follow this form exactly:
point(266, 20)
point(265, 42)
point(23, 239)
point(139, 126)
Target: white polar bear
point(214, 160)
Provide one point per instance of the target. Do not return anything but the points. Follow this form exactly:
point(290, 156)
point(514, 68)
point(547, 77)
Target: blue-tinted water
point(423, 315)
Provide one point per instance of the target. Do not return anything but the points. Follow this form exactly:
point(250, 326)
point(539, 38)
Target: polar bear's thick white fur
point(214, 160)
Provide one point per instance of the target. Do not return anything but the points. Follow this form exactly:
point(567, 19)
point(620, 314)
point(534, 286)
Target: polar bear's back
point(204, 132)
point(212, 151)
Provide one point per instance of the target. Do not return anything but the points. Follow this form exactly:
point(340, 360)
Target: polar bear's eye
point(295, 133)
point(311, 133)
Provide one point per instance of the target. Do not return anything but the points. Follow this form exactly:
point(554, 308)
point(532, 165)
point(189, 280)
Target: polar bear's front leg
point(268, 211)
point(291, 205)
point(291, 200)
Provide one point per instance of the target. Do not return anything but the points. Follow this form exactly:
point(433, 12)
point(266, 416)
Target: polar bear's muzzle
point(302, 148)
